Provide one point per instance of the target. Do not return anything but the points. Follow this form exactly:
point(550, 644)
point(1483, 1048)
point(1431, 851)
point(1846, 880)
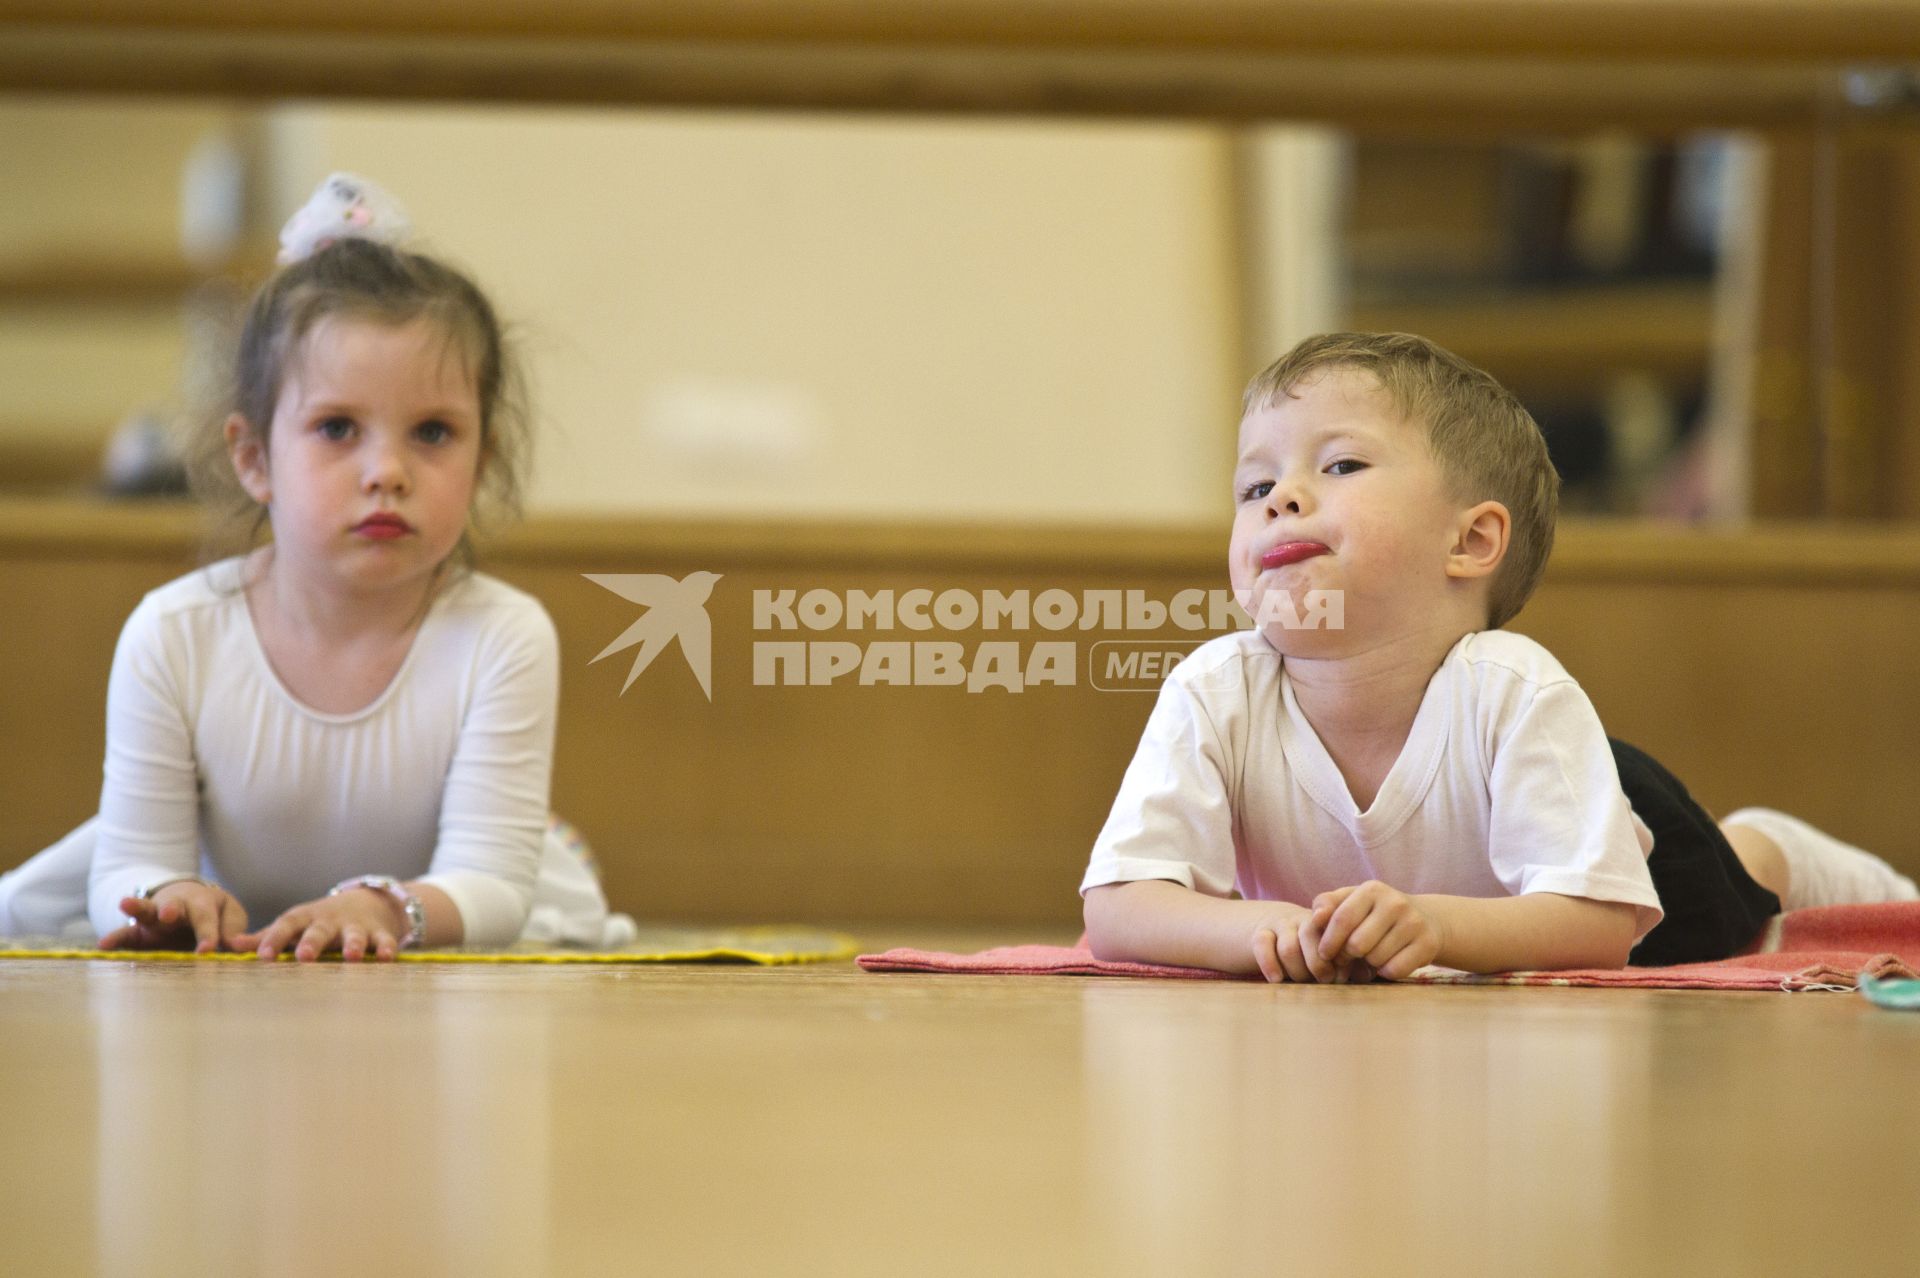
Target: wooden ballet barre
point(1698, 30)
point(1385, 63)
point(1597, 551)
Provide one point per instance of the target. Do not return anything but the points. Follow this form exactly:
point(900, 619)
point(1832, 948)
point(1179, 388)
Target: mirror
point(825, 315)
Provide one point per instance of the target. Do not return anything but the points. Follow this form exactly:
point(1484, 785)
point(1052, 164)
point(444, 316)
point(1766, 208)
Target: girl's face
point(374, 452)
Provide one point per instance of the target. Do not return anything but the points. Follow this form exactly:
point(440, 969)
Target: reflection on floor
point(513, 1120)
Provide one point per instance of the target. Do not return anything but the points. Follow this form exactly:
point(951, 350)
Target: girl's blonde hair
point(359, 279)
point(1487, 444)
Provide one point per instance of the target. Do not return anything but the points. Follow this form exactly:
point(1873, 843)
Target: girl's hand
point(1287, 946)
point(355, 922)
point(188, 911)
point(1375, 924)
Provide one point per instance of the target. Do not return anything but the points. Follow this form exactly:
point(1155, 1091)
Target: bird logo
point(674, 610)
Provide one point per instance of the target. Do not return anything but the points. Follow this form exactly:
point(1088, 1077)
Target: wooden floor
point(235, 1120)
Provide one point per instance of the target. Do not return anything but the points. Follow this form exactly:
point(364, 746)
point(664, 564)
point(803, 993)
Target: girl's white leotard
point(213, 767)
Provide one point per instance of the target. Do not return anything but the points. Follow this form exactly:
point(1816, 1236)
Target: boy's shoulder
point(1242, 664)
point(1236, 649)
point(1502, 653)
point(1227, 669)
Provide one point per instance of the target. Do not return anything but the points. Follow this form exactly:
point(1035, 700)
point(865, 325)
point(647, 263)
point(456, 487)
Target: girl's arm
point(494, 806)
point(444, 924)
point(149, 826)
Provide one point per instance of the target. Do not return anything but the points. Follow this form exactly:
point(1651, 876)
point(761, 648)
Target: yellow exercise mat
point(657, 943)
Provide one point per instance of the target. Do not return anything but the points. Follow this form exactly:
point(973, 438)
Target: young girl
point(342, 740)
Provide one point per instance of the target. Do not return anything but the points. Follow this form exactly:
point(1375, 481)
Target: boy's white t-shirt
point(1506, 785)
point(214, 767)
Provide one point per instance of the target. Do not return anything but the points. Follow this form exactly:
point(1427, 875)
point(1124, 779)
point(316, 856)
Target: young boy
point(1414, 785)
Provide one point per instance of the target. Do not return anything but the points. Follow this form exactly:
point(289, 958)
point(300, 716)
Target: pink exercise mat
point(1807, 949)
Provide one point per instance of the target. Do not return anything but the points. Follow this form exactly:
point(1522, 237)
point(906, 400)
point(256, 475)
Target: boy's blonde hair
point(1487, 444)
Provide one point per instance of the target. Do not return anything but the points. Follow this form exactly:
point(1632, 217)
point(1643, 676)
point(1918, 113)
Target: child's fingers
point(138, 909)
point(317, 939)
point(385, 945)
point(149, 925)
point(353, 943)
point(280, 933)
point(1402, 965)
point(1383, 951)
point(1326, 903)
point(1293, 960)
point(138, 931)
point(1310, 952)
point(1419, 950)
point(204, 915)
point(233, 922)
point(1267, 957)
point(1347, 917)
point(1370, 932)
point(1277, 951)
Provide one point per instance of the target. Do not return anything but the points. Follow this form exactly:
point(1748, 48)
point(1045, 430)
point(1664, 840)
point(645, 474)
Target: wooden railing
point(1410, 64)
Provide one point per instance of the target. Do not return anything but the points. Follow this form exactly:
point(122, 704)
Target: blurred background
point(915, 317)
point(962, 295)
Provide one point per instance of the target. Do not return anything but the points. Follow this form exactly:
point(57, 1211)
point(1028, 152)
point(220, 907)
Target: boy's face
point(1334, 491)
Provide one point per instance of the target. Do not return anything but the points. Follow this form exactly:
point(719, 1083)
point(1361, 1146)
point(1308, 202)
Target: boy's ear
point(249, 457)
point(1480, 541)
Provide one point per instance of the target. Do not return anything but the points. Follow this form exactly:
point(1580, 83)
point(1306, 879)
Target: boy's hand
point(360, 924)
point(1287, 946)
point(1375, 924)
point(210, 918)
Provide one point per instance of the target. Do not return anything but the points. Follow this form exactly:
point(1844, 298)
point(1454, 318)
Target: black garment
point(1714, 909)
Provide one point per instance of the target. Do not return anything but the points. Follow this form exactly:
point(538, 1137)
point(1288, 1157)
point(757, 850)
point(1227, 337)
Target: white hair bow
point(345, 207)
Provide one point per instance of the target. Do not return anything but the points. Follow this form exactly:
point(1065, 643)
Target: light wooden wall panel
point(1774, 668)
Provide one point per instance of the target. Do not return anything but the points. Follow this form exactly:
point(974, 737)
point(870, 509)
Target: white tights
point(1821, 870)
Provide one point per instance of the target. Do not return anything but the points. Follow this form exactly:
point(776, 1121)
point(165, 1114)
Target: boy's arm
point(1397, 933)
point(1561, 837)
point(1154, 921)
point(1541, 930)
